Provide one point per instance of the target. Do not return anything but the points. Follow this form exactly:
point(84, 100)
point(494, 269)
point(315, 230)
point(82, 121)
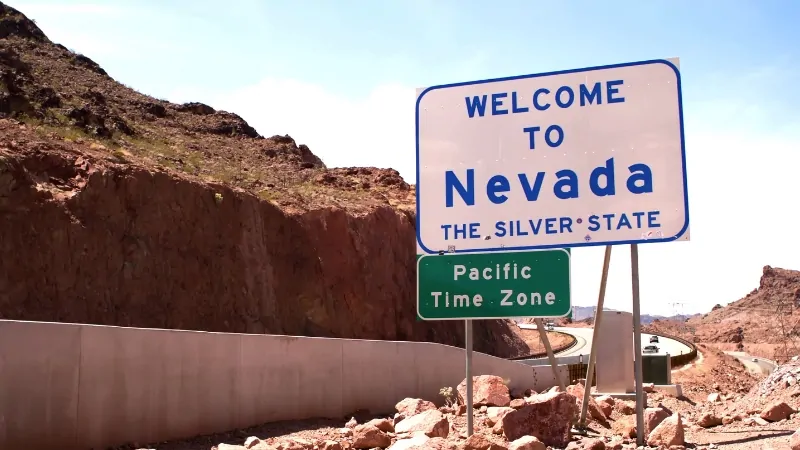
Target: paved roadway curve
point(759, 366)
point(583, 345)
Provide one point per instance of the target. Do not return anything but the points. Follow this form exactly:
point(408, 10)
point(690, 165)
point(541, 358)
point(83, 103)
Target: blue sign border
point(563, 72)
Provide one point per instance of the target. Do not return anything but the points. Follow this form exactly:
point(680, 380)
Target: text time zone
point(506, 297)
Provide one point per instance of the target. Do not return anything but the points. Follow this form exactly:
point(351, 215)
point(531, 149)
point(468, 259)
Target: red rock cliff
point(122, 245)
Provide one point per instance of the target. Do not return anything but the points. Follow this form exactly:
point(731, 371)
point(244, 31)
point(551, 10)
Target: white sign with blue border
point(584, 157)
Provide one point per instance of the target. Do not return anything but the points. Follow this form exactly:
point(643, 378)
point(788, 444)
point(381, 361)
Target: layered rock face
point(133, 247)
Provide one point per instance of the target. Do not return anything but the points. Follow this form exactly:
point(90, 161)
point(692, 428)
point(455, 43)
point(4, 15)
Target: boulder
point(548, 417)
point(411, 406)
point(369, 436)
point(652, 418)
point(776, 411)
point(594, 409)
point(487, 390)
point(481, 442)
point(527, 443)
point(606, 404)
point(708, 420)
point(496, 413)
point(498, 427)
point(668, 433)
point(431, 422)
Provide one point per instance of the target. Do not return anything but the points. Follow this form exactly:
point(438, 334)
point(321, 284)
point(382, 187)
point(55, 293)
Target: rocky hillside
point(766, 322)
point(118, 208)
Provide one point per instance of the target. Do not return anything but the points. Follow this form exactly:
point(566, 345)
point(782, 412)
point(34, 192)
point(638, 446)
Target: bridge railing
point(681, 359)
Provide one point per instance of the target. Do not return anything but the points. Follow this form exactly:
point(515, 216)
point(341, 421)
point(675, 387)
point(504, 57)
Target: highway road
point(584, 342)
point(759, 366)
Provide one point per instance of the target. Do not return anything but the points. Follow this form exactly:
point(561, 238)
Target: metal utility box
point(656, 369)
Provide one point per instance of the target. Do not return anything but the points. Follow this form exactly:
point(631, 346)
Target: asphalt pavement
point(583, 346)
point(754, 364)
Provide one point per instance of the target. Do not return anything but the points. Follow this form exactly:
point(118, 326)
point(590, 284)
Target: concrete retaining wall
point(71, 386)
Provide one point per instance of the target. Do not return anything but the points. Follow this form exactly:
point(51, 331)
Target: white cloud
point(375, 130)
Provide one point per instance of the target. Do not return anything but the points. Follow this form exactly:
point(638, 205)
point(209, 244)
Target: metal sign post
point(593, 352)
point(468, 347)
point(549, 350)
point(637, 345)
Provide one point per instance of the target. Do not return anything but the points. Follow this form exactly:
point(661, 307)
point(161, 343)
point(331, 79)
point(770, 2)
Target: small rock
point(527, 443)
point(606, 404)
point(625, 408)
point(384, 425)
point(305, 444)
point(411, 406)
point(708, 420)
point(652, 418)
point(548, 417)
point(417, 440)
point(517, 403)
point(668, 433)
point(346, 431)
point(727, 420)
point(351, 423)
point(330, 445)
point(251, 442)
point(713, 397)
point(776, 411)
point(480, 442)
point(369, 436)
point(430, 422)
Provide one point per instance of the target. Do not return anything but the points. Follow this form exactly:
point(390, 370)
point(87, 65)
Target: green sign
point(493, 285)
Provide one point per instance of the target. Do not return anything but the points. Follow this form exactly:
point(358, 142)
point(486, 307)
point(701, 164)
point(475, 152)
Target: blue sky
point(340, 76)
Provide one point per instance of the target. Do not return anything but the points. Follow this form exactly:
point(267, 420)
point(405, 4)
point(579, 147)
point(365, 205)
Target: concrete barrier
point(73, 386)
